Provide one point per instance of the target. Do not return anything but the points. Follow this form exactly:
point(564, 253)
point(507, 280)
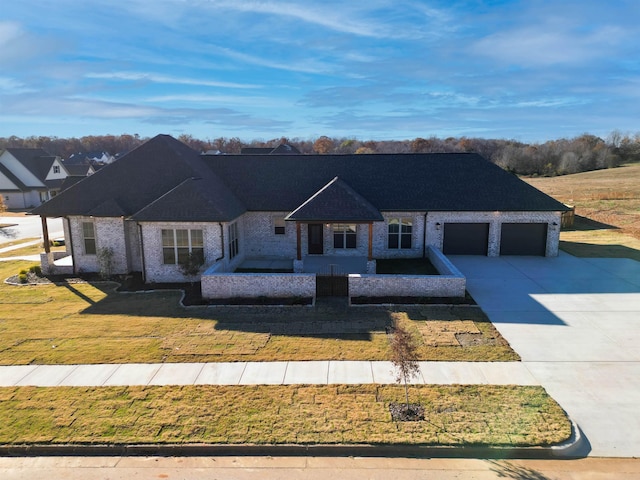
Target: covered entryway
point(316, 246)
point(466, 238)
point(523, 239)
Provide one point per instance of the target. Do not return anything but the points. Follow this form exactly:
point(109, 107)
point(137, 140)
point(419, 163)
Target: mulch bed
point(467, 300)
point(400, 412)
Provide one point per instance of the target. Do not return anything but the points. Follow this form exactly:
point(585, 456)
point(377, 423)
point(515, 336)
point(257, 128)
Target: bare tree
point(404, 357)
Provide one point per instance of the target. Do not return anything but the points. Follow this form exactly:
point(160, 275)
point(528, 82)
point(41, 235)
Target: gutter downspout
point(424, 239)
point(73, 257)
point(221, 242)
point(144, 266)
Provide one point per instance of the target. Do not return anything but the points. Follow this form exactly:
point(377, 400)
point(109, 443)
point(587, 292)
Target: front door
point(315, 239)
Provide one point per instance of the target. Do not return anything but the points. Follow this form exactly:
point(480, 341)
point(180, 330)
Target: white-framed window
point(177, 244)
point(56, 169)
point(234, 244)
point(344, 235)
point(278, 226)
point(89, 238)
point(399, 233)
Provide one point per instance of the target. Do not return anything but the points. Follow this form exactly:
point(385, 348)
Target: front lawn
point(77, 323)
point(298, 414)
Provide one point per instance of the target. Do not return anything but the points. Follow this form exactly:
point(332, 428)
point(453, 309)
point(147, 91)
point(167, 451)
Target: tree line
point(554, 157)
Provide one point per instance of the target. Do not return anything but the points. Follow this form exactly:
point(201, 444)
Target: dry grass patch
point(337, 414)
point(90, 323)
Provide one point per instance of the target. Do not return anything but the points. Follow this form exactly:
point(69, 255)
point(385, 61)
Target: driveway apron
point(576, 324)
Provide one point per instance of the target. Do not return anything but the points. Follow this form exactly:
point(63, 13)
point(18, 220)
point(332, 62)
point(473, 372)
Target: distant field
point(607, 204)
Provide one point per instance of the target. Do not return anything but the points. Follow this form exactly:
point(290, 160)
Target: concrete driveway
point(576, 324)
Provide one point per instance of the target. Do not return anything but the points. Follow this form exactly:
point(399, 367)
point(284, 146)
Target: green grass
point(90, 323)
point(456, 415)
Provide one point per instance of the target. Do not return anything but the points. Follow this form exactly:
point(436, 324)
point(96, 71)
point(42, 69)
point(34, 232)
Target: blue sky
point(528, 70)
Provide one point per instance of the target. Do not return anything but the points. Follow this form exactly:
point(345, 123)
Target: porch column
point(298, 241)
point(370, 241)
point(45, 234)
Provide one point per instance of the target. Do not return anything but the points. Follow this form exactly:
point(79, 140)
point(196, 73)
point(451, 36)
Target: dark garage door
point(466, 238)
point(523, 239)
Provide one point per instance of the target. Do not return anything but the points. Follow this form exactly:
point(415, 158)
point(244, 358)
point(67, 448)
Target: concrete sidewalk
point(262, 373)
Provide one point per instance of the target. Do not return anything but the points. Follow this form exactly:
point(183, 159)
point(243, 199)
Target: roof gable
point(136, 180)
point(336, 202)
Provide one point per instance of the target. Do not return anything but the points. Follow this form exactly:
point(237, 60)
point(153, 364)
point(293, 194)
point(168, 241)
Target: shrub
point(36, 270)
point(22, 277)
point(23, 272)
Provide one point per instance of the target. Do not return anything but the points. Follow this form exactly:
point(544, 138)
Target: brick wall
point(109, 233)
point(254, 285)
point(155, 269)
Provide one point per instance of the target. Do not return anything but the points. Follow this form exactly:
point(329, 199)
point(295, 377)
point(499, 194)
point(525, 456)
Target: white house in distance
point(163, 201)
point(31, 176)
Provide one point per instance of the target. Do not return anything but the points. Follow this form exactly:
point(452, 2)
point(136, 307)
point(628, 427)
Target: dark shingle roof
point(36, 160)
point(165, 180)
point(390, 182)
point(138, 179)
point(336, 202)
point(77, 169)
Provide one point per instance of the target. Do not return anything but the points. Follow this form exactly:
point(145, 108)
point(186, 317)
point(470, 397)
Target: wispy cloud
point(155, 78)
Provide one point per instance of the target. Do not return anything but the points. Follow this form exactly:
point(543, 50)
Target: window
point(233, 240)
point(344, 236)
point(399, 233)
point(178, 244)
point(89, 237)
point(278, 226)
point(56, 169)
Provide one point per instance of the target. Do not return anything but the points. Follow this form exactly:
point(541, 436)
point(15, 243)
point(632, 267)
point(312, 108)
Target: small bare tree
point(404, 356)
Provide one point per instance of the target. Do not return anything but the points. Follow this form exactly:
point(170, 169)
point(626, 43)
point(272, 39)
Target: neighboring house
point(164, 201)
point(29, 177)
point(282, 149)
point(102, 158)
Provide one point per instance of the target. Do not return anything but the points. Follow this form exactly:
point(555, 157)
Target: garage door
point(466, 238)
point(523, 239)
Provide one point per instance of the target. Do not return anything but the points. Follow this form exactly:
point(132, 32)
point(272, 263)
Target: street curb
point(567, 450)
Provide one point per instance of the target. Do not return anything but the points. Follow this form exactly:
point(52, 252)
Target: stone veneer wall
point(450, 282)
point(254, 285)
point(435, 233)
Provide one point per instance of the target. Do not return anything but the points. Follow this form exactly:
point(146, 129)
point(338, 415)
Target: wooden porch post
point(298, 241)
point(370, 241)
point(45, 234)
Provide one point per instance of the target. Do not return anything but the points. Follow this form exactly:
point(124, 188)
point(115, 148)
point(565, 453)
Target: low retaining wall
point(48, 266)
point(450, 282)
point(254, 285)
